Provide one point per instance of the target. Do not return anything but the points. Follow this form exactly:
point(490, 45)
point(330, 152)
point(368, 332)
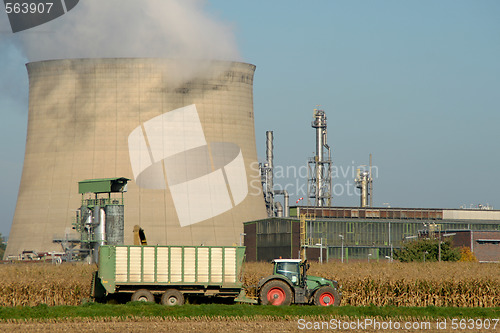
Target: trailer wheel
point(276, 292)
point(143, 295)
point(172, 297)
point(326, 296)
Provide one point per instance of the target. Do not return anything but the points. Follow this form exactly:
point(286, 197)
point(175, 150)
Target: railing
point(102, 202)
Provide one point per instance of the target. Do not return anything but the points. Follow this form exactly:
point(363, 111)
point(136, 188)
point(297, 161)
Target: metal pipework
point(99, 230)
point(286, 198)
point(279, 209)
point(319, 123)
point(269, 151)
point(363, 182)
point(322, 185)
point(266, 171)
point(370, 188)
point(270, 163)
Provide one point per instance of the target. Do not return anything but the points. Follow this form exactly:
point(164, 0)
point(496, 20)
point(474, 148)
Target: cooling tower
point(182, 131)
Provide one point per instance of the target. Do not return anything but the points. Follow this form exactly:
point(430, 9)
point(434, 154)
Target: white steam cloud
point(179, 29)
point(126, 28)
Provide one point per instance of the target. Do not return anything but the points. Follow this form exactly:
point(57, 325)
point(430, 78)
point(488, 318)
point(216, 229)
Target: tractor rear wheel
point(326, 296)
point(143, 295)
point(172, 297)
point(276, 292)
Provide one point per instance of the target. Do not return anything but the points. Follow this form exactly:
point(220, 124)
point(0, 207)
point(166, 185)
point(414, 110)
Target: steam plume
point(140, 28)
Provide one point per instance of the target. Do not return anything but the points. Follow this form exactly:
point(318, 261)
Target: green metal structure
point(103, 185)
point(100, 218)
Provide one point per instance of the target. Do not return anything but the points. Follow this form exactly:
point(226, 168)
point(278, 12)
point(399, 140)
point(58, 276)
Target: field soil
point(188, 325)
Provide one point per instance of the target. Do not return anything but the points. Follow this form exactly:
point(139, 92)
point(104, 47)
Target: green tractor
point(291, 284)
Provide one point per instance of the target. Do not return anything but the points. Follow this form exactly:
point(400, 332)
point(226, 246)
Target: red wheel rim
point(276, 296)
point(326, 299)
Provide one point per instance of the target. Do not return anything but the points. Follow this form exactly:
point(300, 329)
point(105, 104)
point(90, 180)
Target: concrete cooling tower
point(182, 131)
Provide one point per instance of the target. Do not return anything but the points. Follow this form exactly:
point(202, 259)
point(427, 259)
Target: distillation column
point(364, 182)
point(319, 179)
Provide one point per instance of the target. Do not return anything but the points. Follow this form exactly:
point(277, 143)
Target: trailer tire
point(276, 292)
point(327, 296)
point(172, 297)
point(143, 295)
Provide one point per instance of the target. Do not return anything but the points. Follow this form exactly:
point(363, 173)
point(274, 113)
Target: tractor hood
point(314, 282)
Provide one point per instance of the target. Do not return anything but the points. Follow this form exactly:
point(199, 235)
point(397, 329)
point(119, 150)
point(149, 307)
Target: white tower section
point(363, 182)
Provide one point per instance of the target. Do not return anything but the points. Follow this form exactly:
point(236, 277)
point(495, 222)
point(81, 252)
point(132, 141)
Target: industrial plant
point(320, 231)
point(181, 131)
point(169, 146)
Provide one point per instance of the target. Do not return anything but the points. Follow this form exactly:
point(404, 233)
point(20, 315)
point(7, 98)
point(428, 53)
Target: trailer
point(169, 273)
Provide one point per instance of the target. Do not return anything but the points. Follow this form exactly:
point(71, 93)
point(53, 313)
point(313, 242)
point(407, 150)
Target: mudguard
point(275, 277)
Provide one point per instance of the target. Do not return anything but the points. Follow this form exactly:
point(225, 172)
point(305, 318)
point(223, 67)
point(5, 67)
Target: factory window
point(407, 229)
point(265, 229)
point(349, 227)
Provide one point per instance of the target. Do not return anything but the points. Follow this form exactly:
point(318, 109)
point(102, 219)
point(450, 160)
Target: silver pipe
point(99, 230)
point(269, 146)
point(362, 182)
point(287, 205)
point(102, 227)
point(97, 221)
point(319, 123)
point(328, 172)
point(268, 175)
point(279, 209)
point(270, 162)
point(286, 201)
point(370, 189)
point(319, 143)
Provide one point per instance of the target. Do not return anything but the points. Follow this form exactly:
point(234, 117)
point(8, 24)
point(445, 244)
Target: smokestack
point(370, 187)
point(267, 175)
point(270, 162)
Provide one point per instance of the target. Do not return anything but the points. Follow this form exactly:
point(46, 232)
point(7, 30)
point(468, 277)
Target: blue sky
point(415, 83)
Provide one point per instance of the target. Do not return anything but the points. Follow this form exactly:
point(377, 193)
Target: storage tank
point(183, 131)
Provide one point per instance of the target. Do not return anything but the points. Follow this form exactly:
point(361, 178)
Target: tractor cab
point(294, 269)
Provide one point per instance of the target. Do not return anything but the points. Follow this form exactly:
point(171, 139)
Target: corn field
point(33, 284)
point(460, 284)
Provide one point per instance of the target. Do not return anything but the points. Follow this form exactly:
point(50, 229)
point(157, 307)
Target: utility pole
point(342, 250)
point(370, 189)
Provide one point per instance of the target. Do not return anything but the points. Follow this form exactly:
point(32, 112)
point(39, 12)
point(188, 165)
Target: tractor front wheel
point(276, 292)
point(326, 296)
